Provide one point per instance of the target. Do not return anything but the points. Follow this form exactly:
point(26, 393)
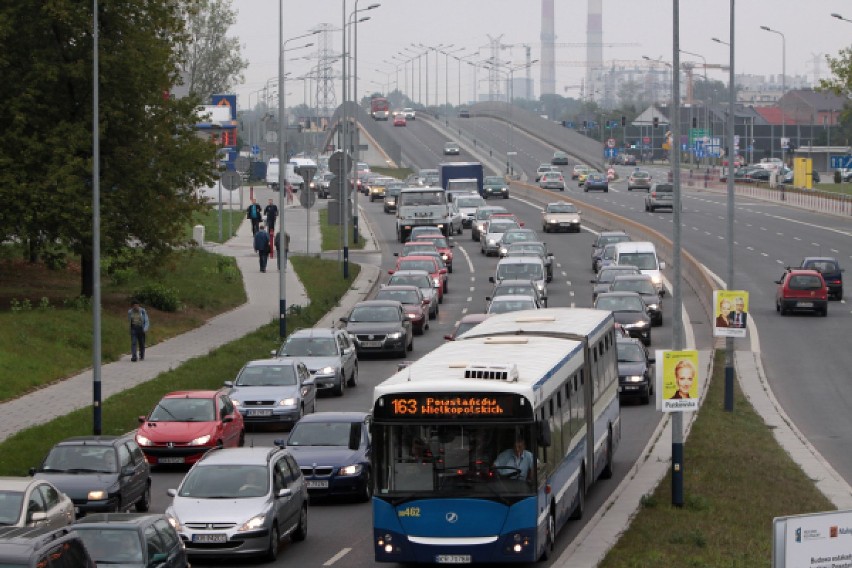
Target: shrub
point(838, 177)
point(159, 297)
point(54, 258)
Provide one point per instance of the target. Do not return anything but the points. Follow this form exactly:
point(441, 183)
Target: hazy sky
point(810, 32)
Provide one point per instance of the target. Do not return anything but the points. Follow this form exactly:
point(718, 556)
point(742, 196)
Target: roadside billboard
point(678, 383)
point(817, 540)
point(730, 311)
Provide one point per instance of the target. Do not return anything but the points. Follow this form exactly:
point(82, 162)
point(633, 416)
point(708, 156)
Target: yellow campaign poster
point(730, 310)
point(677, 380)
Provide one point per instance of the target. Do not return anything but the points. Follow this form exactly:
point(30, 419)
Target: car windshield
point(513, 290)
point(438, 242)
point(663, 188)
point(641, 285)
point(493, 180)
point(501, 306)
point(620, 303)
point(821, 265)
point(401, 296)
point(82, 458)
point(517, 271)
point(501, 227)
point(486, 213)
point(267, 376)
point(521, 249)
point(642, 175)
point(10, 507)
point(469, 202)
point(422, 198)
point(608, 275)
point(418, 248)
point(805, 282)
point(426, 265)
point(405, 280)
point(641, 260)
point(629, 353)
point(113, 546)
point(515, 236)
point(310, 347)
point(604, 240)
point(561, 208)
point(221, 481)
point(320, 434)
point(374, 313)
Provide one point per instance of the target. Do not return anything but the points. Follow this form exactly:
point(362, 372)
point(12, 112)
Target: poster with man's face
point(677, 381)
point(730, 312)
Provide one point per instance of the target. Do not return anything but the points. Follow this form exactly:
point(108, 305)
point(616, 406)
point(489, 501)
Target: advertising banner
point(677, 381)
point(730, 308)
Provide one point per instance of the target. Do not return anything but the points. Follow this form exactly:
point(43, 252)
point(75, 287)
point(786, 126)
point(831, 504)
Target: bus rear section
point(379, 108)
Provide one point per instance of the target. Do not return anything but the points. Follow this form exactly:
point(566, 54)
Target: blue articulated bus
point(485, 447)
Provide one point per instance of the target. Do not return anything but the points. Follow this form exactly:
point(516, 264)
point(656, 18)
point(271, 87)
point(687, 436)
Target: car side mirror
point(344, 319)
point(32, 471)
point(229, 384)
point(226, 419)
point(487, 298)
point(662, 265)
point(779, 281)
point(491, 279)
point(442, 271)
point(171, 492)
point(284, 492)
point(449, 337)
point(37, 517)
point(396, 254)
point(141, 420)
point(521, 224)
point(593, 281)
point(391, 271)
point(158, 558)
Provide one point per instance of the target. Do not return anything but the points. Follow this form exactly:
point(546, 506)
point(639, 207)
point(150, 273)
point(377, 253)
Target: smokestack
point(548, 65)
point(594, 47)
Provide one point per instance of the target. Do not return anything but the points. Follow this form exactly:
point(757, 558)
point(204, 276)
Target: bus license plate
point(453, 559)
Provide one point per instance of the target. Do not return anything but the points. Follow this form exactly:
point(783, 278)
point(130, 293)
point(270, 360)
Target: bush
point(55, 258)
point(838, 177)
point(159, 297)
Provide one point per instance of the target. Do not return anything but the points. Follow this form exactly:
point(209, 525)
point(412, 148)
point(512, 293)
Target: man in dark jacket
point(261, 246)
point(271, 213)
point(254, 214)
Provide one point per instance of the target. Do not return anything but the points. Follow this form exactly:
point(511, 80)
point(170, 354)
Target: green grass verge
point(210, 219)
point(61, 325)
point(120, 412)
point(736, 480)
point(331, 239)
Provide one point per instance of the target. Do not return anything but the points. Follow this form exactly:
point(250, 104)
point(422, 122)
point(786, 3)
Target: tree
point(151, 158)
point(841, 84)
point(212, 60)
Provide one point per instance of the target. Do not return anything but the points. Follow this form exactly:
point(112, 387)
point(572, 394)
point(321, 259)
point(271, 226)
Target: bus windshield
point(455, 460)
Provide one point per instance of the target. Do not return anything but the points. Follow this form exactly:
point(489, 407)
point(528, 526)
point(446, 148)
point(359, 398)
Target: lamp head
point(836, 15)
point(765, 28)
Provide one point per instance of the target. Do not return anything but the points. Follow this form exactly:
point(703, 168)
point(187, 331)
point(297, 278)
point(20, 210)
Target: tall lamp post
point(447, 55)
point(282, 169)
point(96, 231)
point(839, 17)
point(783, 89)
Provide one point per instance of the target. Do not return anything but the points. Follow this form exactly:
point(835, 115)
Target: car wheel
point(446, 287)
point(272, 547)
point(353, 380)
point(450, 269)
point(367, 490)
point(824, 312)
point(433, 313)
point(411, 344)
point(777, 306)
point(144, 502)
point(338, 389)
point(783, 308)
point(606, 472)
point(586, 189)
point(301, 531)
point(506, 196)
point(242, 440)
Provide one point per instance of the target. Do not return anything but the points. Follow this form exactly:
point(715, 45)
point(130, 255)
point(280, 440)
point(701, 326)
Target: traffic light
point(695, 122)
point(656, 121)
point(623, 121)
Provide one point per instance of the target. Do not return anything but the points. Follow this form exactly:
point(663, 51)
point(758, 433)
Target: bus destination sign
point(453, 406)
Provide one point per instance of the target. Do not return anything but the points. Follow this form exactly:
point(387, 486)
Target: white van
point(289, 174)
point(642, 255)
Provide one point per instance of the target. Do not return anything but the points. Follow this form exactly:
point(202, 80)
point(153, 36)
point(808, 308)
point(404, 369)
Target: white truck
point(422, 207)
point(290, 175)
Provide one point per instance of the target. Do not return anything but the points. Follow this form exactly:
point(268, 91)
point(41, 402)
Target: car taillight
point(654, 194)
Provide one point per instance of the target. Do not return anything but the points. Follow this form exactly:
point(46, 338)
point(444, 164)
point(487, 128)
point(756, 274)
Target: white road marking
point(337, 556)
point(470, 298)
point(750, 248)
point(815, 244)
point(796, 239)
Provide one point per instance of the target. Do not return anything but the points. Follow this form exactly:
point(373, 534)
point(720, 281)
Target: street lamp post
point(839, 17)
point(447, 55)
point(784, 143)
point(704, 102)
point(282, 168)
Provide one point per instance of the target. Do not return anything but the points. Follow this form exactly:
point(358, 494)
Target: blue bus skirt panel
point(486, 531)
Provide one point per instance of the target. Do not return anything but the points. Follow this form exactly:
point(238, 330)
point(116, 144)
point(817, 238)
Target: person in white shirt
point(515, 462)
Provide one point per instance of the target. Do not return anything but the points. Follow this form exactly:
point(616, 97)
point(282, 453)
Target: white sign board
point(818, 540)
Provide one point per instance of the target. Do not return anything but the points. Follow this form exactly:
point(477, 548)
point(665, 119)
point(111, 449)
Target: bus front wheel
point(550, 543)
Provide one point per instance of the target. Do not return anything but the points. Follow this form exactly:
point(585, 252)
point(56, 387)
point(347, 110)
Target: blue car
point(333, 452)
point(596, 181)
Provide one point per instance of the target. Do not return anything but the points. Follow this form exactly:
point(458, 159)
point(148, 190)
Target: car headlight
point(200, 441)
point(634, 378)
point(436, 282)
point(350, 470)
point(142, 440)
point(326, 371)
point(552, 220)
point(539, 286)
point(657, 279)
point(252, 524)
point(412, 316)
point(503, 251)
point(394, 335)
point(174, 522)
point(98, 495)
point(288, 402)
point(492, 242)
point(444, 257)
point(653, 307)
point(480, 226)
point(236, 402)
point(636, 325)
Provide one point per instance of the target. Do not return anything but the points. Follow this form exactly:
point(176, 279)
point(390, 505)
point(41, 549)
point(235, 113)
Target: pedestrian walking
point(271, 214)
point(138, 318)
point(255, 215)
point(289, 194)
point(261, 246)
point(282, 252)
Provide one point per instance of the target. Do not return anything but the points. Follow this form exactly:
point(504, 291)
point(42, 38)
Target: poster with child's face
point(730, 311)
point(677, 381)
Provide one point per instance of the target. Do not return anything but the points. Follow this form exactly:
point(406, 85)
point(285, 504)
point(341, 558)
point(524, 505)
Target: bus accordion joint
point(506, 340)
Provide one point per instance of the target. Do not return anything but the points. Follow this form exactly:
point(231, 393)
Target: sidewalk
point(262, 307)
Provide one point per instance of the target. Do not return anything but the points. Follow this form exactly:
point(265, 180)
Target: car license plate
point(453, 559)
point(371, 344)
point(209, 538)
point(170, 460)
point(315, 484)
point(804, 304)
point(260, 412)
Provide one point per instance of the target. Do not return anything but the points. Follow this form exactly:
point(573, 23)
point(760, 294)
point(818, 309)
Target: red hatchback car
point(429, 264)
point(801, 290)
point(185, 424)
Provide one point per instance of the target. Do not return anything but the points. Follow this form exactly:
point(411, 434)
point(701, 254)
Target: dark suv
point(132, 539)
point(831, 273)
point(41, 547)
point(99, 473)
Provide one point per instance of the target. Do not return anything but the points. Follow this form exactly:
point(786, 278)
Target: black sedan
point(380, 326)
point(333, 452)
point(642, 284)
point(635, 375)
point(629, 310)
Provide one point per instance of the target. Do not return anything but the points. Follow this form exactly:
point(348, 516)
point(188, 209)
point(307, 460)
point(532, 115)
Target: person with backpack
point(255, 215)
point(282, 252)
point(138, 318)
point(261, 246)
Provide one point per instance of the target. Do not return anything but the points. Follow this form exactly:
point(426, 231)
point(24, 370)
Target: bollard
point(271, 244)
